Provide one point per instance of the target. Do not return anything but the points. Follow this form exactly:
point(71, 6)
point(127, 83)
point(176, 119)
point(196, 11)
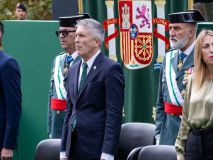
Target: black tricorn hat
point(190, 16)
point(71, 21)
point(21, 6)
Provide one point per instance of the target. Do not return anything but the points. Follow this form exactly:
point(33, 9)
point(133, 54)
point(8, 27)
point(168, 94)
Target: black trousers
point(76, 153)
point(199, 145)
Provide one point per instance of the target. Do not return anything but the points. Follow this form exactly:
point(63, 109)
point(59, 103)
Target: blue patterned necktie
point(69, 59)
point(83, 75)
point(181, 58)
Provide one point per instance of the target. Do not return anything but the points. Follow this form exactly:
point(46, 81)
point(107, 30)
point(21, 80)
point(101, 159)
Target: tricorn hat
point(71, 21)
point(190, 16)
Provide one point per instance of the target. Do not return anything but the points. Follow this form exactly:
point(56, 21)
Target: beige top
point(197, 113)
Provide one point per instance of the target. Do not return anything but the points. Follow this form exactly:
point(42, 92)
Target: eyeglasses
point(64, 33)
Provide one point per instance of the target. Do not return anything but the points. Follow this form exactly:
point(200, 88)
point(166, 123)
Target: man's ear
point(0, 35)
point(98, 42)
point(192, 32)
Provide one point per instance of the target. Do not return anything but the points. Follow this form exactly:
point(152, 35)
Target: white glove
point(157, 139)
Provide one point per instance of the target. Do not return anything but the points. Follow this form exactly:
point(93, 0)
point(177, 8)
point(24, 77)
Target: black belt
point(203, 138)
point(206, 131)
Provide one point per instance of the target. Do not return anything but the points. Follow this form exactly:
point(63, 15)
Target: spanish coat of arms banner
point(135, 21)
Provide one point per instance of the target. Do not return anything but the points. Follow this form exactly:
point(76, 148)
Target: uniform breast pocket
point(96, 91)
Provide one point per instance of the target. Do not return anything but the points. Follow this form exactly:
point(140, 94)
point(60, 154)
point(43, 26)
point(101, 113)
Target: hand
point(6, 154)
point(154, 113)
point(157, 139)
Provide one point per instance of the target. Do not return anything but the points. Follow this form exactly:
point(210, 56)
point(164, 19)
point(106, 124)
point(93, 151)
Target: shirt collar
point(91, 60)
point(74, 55)
point(189, 49)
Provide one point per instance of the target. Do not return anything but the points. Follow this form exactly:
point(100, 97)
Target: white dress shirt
point(187, 51)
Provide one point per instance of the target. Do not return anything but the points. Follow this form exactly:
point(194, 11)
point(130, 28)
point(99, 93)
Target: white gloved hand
point(157, 139)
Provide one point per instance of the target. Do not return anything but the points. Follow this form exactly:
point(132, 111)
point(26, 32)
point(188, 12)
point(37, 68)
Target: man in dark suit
point(10, 102)
point(95, 99)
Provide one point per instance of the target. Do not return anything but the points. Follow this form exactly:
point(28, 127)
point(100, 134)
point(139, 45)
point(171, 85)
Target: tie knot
point(85, 65)
point(182, 56)
point(69, 59)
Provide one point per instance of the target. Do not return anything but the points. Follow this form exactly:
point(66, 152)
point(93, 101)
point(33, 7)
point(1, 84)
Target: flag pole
point(111, 29)
point(80, 6)
point(160, 5)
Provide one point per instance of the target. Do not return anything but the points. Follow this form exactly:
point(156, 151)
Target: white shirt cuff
point(103, 156)
point(63, 154)
point(106, 156)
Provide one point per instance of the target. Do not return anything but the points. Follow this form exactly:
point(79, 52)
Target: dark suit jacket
point(10, 101)
point(98, 109)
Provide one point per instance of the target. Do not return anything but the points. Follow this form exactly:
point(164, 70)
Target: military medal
point(180, 64)
point(188, 72)
point(69, 59)
point(66, 68)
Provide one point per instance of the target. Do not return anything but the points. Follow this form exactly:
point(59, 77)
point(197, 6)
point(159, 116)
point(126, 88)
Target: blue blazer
point(10, 101)
point(98, 107)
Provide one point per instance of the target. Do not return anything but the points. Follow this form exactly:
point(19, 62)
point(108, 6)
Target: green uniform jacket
point(56, 117)
point(167, 124)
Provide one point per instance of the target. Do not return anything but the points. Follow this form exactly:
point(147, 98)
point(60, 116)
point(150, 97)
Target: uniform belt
point(206, 131)
point(58, 104)
point(172, 109)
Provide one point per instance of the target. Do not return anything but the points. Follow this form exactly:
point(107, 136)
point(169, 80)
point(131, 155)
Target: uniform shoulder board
point(172, 50)
point(61, 53)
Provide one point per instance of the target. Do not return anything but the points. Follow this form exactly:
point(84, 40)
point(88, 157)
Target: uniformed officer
point(177, 66)
point(61, 64)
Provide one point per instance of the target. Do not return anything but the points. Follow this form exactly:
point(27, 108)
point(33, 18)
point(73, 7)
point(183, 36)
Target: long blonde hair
point(200, 68)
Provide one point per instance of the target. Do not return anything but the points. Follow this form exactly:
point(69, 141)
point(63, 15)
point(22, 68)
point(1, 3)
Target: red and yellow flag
point(135, 20)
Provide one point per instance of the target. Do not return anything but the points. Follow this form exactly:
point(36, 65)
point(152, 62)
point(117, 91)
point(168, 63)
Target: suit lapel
point(92, 72)
point(187, 64)
point(76, 60)
point(76, 78)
